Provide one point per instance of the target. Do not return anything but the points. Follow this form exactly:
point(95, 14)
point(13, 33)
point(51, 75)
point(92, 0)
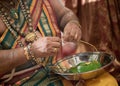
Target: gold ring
point(55, 49)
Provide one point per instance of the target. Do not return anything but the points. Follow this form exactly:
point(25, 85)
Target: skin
point(12, 58)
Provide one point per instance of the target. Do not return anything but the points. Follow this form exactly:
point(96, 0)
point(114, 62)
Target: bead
point(25, 3)
point(30, 29)
point(30, 24)
point(28, 11)
point(28, 16)
point(15, 15)
point(18, 26)
point(5, 14)
point(13, 25)
point(22, 34)
point(29, 20)
point(8, 18)
point(27, 7)
point(15, 29)
point(15, 37)
point(11, 3)
point(2, 9)
point(9, 27)
point(21, 45)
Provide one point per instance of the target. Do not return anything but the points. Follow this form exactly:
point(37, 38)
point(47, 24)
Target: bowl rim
point(103, 67)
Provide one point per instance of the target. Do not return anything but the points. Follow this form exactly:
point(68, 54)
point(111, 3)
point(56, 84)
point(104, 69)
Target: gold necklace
point(30, 36)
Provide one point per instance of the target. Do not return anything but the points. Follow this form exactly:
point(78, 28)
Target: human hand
point(72, 32)
point(46, 46)
point(68, 48)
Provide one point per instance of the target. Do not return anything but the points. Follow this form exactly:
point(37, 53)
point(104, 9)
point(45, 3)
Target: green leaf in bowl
point(85, 67)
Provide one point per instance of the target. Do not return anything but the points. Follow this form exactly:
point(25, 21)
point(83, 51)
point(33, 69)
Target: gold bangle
point(26, 53)
point(31, 55)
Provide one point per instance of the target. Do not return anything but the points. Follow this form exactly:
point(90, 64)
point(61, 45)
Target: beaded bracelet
point(26, 53)
point(29, 55)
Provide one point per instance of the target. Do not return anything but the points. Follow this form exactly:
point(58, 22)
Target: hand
point(46, 46)
point(68, 48)
point(72, 32)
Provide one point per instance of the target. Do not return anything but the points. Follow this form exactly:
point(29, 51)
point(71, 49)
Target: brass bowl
point(62, 66)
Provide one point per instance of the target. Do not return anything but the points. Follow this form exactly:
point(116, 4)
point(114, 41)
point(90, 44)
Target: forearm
point(67, 17)
point(10, 59)
point(63, 14)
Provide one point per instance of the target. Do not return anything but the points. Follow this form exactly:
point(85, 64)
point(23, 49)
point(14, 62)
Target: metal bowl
point(62, 66)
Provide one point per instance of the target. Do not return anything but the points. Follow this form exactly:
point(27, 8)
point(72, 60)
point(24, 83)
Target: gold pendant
point(16, 16)
point(30, 37)
point(14, 13)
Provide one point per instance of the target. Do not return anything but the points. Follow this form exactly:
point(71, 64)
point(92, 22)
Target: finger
point(67, 30)
point(54, 39)
point(72, 35)
point(53, 51)
point(53, 44)
point(56, 44)
point(50, 53)
point(73, 32)
point(66, 35)
point(76, 37)
point(79, 35)
point(50, 50)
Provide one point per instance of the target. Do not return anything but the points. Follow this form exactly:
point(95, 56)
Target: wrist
point(68, 16)
point(29, 54)
point(75, 22)
point(26, 53)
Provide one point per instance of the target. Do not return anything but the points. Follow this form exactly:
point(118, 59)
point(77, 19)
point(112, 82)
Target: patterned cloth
point(43, 21)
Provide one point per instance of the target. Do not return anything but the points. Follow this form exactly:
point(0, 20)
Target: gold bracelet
point(26, 53)
point(31, 55)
